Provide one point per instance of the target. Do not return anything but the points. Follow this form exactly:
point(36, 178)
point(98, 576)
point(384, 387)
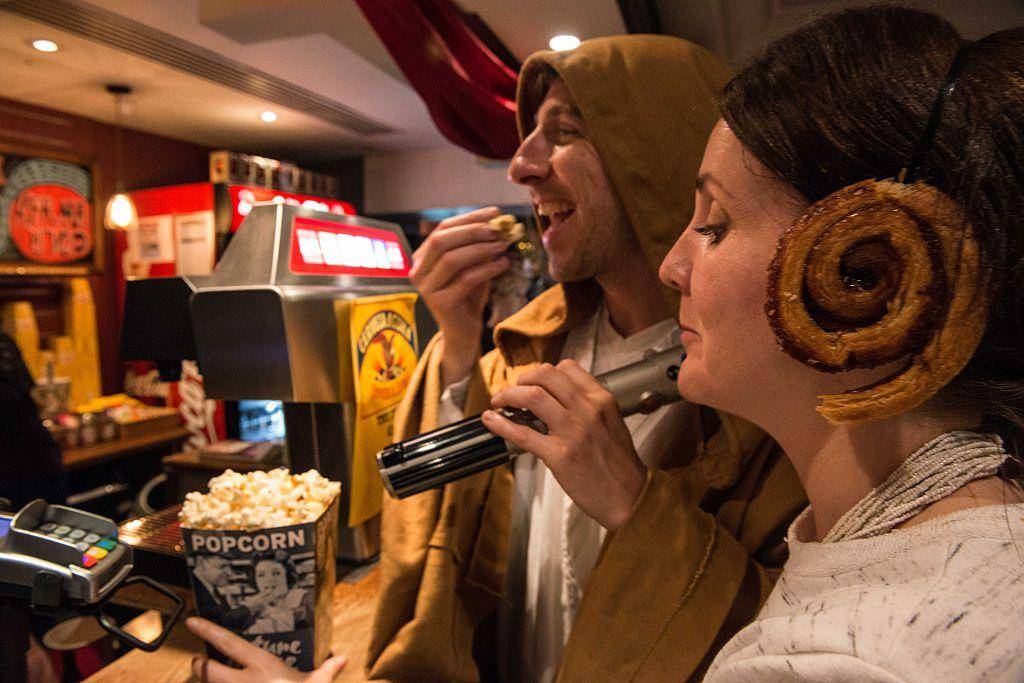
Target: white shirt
point(554, 545)
point(940, 601)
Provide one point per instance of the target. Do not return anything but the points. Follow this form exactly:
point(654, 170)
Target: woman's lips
point(687, 336)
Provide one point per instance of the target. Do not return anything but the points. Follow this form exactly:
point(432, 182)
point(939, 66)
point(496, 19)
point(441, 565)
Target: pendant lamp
point(121, 213)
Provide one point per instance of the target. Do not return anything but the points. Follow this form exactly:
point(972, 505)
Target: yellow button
point(97, 552)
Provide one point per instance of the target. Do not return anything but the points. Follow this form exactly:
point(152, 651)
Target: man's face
point(213, 569)
point(583, 224)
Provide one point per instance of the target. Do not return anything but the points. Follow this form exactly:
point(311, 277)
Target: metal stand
point(318, 436)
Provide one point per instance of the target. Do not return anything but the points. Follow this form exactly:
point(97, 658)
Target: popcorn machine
point(313, 309)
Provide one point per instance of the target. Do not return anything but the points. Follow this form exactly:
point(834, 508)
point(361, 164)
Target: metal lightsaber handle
point(458, 450)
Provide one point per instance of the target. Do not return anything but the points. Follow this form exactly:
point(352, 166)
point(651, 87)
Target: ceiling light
point(268, 116)
point(564, 42)
point(44, 45)
point(121, 212)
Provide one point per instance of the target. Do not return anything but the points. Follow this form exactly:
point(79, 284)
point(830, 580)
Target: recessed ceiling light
point(44, 45)
point(268, 116)
point(564, 42)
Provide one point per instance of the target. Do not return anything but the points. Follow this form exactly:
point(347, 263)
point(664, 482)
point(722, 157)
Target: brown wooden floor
point(353, 609)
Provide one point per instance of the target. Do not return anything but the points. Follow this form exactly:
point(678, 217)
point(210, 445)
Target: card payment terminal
point(57, 559)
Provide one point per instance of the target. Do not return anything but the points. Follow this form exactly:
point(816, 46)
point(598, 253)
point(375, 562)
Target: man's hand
point(452, 270)
point(588, 447)
point(258, 665)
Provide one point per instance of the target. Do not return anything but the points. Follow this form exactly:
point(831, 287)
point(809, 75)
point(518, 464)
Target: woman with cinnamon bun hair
point(852, 281)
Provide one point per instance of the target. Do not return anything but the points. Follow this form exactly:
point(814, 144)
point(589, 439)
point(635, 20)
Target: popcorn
point(259, 500)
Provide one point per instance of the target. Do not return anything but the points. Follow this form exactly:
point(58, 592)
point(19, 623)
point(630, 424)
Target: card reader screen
point(5, 525)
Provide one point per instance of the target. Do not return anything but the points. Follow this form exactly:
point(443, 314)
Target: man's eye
point(713, 231)
point(566, 133)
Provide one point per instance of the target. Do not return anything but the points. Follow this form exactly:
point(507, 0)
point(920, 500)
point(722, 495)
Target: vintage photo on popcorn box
point(271, 586)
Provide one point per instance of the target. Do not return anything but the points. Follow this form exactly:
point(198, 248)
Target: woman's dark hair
point(847, 97)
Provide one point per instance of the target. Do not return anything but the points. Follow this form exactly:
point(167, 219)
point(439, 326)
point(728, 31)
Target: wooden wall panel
point(150, 161)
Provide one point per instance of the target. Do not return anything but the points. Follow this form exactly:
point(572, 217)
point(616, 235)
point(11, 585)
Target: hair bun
point(877, 272)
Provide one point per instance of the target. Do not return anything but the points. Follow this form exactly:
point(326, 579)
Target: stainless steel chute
point(265, 327)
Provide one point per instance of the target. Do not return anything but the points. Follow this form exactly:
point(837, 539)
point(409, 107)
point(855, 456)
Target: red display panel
point(325, 248)
point(174, 199)
point(243, 197)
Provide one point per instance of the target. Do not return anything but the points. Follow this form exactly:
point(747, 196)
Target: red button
point(88, 561)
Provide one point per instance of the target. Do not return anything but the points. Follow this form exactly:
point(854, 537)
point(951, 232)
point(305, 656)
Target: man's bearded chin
point(578, 267)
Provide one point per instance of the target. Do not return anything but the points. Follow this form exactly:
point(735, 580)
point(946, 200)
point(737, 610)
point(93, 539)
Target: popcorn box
point(272, 586)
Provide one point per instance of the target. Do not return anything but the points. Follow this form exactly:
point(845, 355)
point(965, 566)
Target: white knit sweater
point(941, 601)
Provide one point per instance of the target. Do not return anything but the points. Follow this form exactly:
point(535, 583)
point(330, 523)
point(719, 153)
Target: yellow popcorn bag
point(260, 550)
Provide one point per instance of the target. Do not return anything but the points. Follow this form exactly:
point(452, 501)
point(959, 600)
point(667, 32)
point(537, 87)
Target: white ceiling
point(165, 101)
point(328, 48)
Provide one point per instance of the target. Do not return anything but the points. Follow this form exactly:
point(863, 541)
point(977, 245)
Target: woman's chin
point(691, 388)
point(694, 388)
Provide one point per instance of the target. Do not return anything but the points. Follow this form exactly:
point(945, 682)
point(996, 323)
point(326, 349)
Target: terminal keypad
point(93, 546)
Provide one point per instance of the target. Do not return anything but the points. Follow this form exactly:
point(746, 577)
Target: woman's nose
point(531, 161)
point(676, 268)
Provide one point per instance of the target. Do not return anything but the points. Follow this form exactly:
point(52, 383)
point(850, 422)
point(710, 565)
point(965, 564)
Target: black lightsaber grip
point(466, 447)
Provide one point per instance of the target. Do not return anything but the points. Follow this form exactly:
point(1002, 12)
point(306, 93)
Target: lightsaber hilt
point(466, 447)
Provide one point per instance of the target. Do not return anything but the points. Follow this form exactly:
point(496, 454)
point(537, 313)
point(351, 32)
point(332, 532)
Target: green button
point(107, 543)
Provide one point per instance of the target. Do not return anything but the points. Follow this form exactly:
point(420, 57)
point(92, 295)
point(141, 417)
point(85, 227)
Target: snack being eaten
point(879, 272)
point(509, 290)
point(511, 230)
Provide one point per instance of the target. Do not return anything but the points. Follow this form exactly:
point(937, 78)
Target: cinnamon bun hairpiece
point(878, 272)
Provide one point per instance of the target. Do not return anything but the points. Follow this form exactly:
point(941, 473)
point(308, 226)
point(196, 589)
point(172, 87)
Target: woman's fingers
point(235, 647)
point(209, 671)
point(526, 438)
point(554, 381)
point(326, 672)
point(534, 398)
point(583, 383)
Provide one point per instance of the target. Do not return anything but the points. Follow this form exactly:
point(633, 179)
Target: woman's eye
point(567, 133)
point(713, 231)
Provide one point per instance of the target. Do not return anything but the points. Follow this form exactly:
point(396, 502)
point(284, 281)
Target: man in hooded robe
point(502, 575)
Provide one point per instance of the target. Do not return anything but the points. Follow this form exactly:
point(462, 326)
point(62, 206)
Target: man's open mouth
point(554, 212)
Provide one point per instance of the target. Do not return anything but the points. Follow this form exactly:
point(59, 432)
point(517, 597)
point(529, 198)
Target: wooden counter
point(87, 456)
point(353, 612)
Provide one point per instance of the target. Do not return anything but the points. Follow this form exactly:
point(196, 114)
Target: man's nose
point(531, 161)
point(676, 268)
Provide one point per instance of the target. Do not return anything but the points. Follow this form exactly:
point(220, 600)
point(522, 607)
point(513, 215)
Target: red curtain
point(468, 90)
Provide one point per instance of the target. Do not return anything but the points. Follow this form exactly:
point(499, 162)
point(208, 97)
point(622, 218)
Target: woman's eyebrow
point(705, 181)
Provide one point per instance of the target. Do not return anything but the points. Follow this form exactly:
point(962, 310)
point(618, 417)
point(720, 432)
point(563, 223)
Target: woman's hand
point(588, 447)
point(258, 665)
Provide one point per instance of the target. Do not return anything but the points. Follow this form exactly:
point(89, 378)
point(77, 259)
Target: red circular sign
point(51, 224)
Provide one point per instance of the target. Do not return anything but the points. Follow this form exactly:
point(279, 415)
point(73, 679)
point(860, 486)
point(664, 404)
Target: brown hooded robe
point(689, 567)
